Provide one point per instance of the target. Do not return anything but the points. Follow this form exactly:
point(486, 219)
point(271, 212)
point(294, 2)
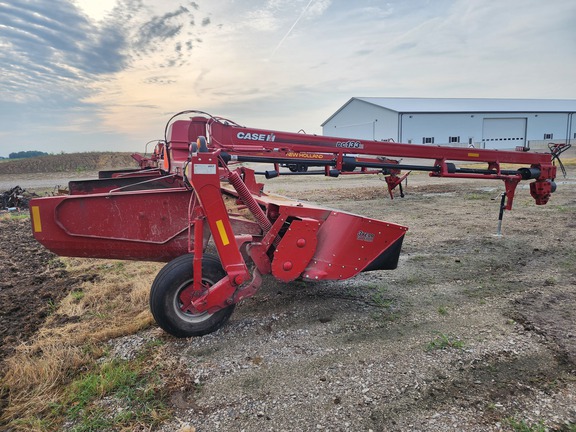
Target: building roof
point(459, 105)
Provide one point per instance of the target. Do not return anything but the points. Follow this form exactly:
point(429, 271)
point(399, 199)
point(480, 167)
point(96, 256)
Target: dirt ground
point(472, 332)
point(32, 282)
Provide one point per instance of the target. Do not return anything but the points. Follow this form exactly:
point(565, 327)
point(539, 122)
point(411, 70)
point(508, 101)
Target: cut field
point(72, 162)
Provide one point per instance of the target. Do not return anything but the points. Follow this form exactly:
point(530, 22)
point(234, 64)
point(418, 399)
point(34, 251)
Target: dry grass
point(36, 375)
point(114, 304)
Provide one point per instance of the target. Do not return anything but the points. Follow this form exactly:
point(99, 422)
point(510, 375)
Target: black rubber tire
point(165, 300)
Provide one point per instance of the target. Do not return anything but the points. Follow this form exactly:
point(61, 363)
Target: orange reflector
point(166, 163)
point(36, 219)
point(222, 232)
point(473, 154)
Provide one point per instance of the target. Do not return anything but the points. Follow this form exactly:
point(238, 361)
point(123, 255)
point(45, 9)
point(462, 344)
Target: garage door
point(503, 133)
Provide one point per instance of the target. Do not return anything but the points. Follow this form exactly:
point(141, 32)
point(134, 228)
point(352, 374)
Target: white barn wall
point(441, 126)
point(414, 127)
point(366, 120)
point(470, 126)
point(554, 123)
point(362, 120)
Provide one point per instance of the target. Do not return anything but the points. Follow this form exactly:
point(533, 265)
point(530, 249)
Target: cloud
point(279, 15)
point(163, 34)
point(159, 29)
point(263, 20)
point(54, 57)
point(52, 49)
point(317, 8)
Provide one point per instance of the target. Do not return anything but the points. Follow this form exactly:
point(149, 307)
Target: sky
point(101, 75)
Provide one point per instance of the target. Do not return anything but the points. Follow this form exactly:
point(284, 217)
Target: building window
point(454, 139)
point(548, 136)
point(428, 140)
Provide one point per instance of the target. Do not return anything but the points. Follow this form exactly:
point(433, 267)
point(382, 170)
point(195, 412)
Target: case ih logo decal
point(364, 236)
point(349, 144)
point(255, 136)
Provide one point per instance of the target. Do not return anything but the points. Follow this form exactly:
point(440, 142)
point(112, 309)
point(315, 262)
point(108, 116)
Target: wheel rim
point(193, 318)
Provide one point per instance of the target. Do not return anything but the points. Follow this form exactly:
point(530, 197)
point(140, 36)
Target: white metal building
point(482, 123)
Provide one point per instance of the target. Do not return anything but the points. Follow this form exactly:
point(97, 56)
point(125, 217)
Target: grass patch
point(523, 426)
point(115, 394)
point(476, 196)
point(568, 262)
point(491, 286)
point(60, 360)
point(379, 296)
point(14, 215)
point(414, 280)
point(77, 295)
point(443, 341)
point(420, 258)
point(563, 208)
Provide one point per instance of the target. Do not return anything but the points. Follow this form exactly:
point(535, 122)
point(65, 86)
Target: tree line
point(26, 154)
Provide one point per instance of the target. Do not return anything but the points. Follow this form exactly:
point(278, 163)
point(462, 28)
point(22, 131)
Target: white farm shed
point(482, 123)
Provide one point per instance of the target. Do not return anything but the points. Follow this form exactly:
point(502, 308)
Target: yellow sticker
point(36, 219)
point(222, 232)
point(473, 154)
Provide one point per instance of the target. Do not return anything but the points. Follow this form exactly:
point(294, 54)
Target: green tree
point(26, 154)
